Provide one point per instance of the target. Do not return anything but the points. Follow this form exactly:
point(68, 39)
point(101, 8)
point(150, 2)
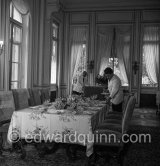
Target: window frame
point(143, 25)
point(15, 23)
point(130, 43)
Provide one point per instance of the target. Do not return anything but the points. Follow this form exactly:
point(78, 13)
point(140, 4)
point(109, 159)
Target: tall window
point(16, 48)
point(113, 50)
point(150, 56)
point(54, 53)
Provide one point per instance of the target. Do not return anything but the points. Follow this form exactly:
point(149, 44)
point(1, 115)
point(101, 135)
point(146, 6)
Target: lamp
point(135, 67)
point(91, 65)
point(1, 46)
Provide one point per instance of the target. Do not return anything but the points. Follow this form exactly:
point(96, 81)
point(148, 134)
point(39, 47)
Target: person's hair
point(108, 70)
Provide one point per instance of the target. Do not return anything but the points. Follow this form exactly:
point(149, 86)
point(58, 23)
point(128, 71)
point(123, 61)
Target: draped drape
point(121, 45)
point(151, 52)
point(78, 59)
point(21, 6)
point(36, 44)
point(123, 53)
point(4, 36)
point(77, 40)
point(104, 48)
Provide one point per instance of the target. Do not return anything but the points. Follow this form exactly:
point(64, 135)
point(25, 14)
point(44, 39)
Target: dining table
point(46, 123)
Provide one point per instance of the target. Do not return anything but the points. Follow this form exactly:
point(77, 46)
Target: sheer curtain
point(104, 43)
point(151, 52)
point(118, 48)
point(123, 53)
point(77, 40)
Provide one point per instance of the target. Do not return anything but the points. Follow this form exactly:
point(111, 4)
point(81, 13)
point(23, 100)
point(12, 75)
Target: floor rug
point(139, 154)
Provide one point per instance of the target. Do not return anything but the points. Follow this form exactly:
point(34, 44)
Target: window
point(16, 48)
point(113, 50)
point(19, 37)
point(150, 56)
point(54, 53)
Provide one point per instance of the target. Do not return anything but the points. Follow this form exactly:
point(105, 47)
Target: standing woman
point(80, 83)
point(115, 89)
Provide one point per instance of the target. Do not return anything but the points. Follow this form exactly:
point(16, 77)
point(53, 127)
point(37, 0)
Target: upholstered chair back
point(128, 113)
point(7, 106)
point(21, 97)
point(45, 94)
point(125, 101)
point(31, 98)
point(36, 96)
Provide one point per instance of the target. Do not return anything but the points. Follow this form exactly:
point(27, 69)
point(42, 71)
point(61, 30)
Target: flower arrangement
point(60, 103)
point(101, 80)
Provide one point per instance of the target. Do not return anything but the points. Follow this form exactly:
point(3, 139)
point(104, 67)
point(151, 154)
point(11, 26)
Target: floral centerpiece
point(60, 103)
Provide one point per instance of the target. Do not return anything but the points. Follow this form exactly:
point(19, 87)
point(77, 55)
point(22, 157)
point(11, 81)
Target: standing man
point(115, 89)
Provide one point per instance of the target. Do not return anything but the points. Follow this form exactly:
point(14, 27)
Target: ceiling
point(108, 4)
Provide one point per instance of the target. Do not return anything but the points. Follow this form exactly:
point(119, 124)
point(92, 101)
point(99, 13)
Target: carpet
point(139, 154)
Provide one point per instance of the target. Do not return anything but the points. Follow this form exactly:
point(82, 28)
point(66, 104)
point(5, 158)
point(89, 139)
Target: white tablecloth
point(66, 126)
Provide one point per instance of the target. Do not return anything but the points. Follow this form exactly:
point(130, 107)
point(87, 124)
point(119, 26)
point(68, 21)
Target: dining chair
point(31, 98)
point(158, 101)
point(113, 115)
point(21, 97)
point(7, 107)
point(36, 96)
point(109, 135)
point(45, 94)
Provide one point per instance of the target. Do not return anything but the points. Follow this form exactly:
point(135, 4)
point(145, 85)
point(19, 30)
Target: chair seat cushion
point(119, 117)
point(110, 126)
point(116, 121)
point(114, 115)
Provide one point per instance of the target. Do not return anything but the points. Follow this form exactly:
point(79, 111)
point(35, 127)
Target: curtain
point(151, 52)
point(114, 42)
point(104, 42)
point(78, 62)
point(4, 36)
point(77, 40)
point(36, 41)
point(123, 53)
point(21, 6)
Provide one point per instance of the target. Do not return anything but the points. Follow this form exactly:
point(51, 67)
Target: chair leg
point(71, 151)
point(1, 143)
point(158, 111)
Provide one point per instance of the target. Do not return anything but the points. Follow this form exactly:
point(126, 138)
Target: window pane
point(15, 53)
point(17, 34)
point(53, 62)
point(14, 85)
point(10, 10)
point(16, 15)
point(150, 57)
point(14, 72)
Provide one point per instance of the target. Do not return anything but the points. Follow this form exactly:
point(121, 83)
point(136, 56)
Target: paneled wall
point(43, 12)
point(92, 19)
